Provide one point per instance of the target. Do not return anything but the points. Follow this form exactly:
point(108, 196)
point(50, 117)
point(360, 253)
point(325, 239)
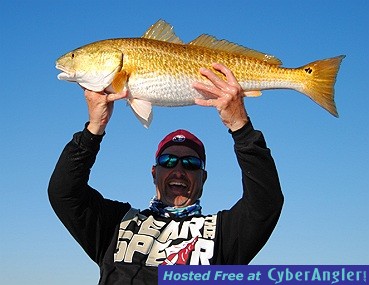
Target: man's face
point(178, 186)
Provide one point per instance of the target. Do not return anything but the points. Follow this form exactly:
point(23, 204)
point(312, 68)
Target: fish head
point(92, 66)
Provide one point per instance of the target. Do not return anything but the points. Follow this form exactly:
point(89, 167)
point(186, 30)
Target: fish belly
point(164, 90)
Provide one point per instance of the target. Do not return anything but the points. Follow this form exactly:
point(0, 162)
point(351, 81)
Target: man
point(129, 244)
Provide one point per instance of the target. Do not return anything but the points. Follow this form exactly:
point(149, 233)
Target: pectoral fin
point(143, 111)
point(119, 81)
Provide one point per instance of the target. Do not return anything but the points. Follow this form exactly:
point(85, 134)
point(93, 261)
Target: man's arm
point(89, 217)
point(247, 226)
point(85, 213)
point(261, 187)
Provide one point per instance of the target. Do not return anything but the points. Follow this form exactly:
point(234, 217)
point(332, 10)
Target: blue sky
point(322, 161)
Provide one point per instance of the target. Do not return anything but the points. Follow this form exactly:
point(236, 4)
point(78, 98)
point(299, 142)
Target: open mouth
point(178, 184)
point(65, 74)
point(178, 187)
point(60, 67)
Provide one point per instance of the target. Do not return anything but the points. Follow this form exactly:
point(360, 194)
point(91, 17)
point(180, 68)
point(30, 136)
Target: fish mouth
point(65, 74)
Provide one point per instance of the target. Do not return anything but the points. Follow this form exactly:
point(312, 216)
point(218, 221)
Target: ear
point(153, 173)
point(204, 176)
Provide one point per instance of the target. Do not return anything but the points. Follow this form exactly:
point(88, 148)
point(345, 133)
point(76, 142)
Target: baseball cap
point(185, 138)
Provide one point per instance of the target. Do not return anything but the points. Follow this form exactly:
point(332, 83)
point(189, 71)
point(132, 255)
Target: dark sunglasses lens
point(167, 160)
point(188, 162)
point(191, 163)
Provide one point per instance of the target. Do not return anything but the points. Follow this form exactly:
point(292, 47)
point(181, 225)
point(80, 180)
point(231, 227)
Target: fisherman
point(129, 244)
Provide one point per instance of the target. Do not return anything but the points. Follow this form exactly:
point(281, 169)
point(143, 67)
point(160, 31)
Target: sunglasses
point(188, 162)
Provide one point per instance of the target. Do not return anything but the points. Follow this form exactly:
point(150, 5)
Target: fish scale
point(159, 69)
point(170, 78)
point(186, 62)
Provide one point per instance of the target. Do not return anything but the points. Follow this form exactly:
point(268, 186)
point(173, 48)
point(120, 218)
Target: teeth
point(177, 184)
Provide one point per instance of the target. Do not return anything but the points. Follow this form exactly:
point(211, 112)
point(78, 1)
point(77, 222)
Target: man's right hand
point(100, 108)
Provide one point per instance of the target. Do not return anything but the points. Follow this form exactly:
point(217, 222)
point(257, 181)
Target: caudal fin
point(320, 85)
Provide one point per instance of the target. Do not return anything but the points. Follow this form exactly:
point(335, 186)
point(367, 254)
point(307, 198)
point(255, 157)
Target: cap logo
point(179, 138)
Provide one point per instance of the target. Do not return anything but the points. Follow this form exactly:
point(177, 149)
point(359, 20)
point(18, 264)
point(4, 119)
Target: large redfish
point(159, 69)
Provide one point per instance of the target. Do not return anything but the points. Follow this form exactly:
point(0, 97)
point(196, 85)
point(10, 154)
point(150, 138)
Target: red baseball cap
point(185, 138)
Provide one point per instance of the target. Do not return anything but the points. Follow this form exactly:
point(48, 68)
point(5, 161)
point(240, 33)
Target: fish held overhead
point(159, 69)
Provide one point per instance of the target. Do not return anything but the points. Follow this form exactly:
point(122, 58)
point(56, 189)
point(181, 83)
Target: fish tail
point(321, 76)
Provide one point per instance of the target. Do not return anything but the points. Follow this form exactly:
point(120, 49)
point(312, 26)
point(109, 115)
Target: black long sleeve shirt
point(129, 244)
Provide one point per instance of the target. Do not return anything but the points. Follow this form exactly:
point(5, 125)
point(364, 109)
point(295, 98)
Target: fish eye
point(72, 55)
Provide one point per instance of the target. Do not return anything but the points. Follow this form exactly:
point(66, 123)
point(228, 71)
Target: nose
point(178, 170)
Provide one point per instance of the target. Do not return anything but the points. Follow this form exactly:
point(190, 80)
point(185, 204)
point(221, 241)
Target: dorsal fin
point(224, 45)
point(162, 31)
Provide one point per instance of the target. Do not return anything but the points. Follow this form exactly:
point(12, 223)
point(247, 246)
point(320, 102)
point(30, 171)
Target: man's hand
point(225, 95)
point(100, 108)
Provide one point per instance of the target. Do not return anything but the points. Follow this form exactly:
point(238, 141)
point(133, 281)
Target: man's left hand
point(225, 95)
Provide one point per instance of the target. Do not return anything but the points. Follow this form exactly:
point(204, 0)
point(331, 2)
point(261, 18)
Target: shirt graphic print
point(165, 242)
